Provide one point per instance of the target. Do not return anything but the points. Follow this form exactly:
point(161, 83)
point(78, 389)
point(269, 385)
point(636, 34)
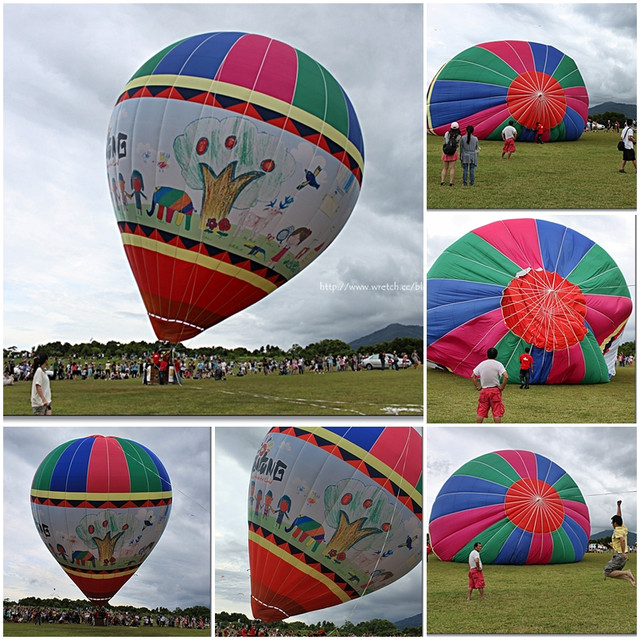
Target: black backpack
point(449, 148)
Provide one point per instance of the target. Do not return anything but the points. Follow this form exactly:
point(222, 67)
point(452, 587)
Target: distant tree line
point(97, 350)
point(628, 348)
point(66, 603)
point(377, 627)
point(601, 118)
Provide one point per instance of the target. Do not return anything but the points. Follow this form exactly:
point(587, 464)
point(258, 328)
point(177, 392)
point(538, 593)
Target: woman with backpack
point(450, 153)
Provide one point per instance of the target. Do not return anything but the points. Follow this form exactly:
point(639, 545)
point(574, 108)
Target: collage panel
point(522, 114)
point(333, 519)
point(530, 319)
point(526, 525)
point(223, 211)
point(126, 516)
point(262, 210)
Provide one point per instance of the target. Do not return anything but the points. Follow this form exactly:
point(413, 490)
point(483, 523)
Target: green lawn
point(64, 630)
point(339, 393)
point(451, 398)
point(531, 599)
point(582, 174)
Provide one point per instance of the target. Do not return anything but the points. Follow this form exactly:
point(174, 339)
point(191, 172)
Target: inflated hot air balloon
point(521, 506)
point(334, 514)
point(517, 283)
point(491, 83)
point(100, 505)
point(233, 161)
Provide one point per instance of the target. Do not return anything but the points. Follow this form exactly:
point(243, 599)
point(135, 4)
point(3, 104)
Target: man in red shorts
point(488, 374)
point(509, 135)
point(476, 577)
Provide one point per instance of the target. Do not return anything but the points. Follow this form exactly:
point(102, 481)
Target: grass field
point(24, 629)
point(345, 393)
point(562, 175)
point(527, 599)
point(452, 398)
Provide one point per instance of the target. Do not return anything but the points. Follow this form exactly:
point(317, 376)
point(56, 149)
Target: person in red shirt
point(526, 364)
point(164, 369)
point(539, 132)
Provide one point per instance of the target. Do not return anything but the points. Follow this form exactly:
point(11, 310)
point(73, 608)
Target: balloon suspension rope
point(153, 472)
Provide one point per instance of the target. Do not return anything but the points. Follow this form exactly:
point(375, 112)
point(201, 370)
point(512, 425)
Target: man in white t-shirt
point(509, 135)
point(476, 576)
point(488, 374)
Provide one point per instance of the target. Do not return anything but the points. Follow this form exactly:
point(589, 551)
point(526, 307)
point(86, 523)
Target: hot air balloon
point(517, 283)
point(233, 161)
point(521, 506)
point(491, 83)
point(100, 505)
point(335, 513)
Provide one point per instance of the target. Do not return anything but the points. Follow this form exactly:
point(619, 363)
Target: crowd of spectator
point(197, 368)
point(100, 617)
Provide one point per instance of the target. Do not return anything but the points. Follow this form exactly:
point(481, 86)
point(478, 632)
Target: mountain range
point(413, 621)
point(632, 538)
point(629, 110)
point(389, 333)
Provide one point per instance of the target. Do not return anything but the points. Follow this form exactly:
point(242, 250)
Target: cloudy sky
point(601, 38)
point(615, 233)
point(177, 572)
point(65, 273)
point(235, 450)
point(585, 453)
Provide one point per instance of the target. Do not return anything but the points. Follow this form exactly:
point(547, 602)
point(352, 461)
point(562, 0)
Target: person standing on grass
point(40, 386)
point(476, 576)
point(469, 156)
point(488, 374)
point(509, 135)
point(615, 566)
point(526, 364)
point(450, 157)
point(539, 131)
point(628, 154)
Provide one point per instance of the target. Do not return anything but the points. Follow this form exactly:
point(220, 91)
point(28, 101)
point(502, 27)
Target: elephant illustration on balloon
point(306, 528)
point(172, 200)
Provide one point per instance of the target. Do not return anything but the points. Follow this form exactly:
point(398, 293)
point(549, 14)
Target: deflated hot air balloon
point(233, 160)
point(491, 83)
point(524, 282)
point(334, 514)
point(521, 506)
point(100, 505)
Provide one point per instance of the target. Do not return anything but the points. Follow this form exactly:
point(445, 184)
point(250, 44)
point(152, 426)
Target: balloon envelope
point(100, 505)
point(524, 282)
point(521, 506)
point(491, 83)
point(334, 513)
point(233, 161)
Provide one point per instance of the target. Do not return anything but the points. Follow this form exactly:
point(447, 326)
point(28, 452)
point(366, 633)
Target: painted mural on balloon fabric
point(334, 514)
